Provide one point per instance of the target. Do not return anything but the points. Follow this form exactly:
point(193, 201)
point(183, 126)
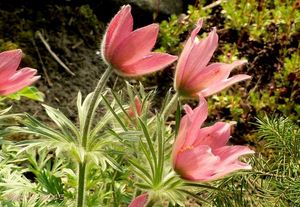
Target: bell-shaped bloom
point(139, 201)
point(193, 75)
point(137, 108)
point(128, 51)
point(11, 79)
point(201, 154)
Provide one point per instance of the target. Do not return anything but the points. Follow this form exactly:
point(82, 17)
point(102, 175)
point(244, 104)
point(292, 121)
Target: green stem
point(100, 86)
point(81, 184)
point(171, 106)
point(86, 129)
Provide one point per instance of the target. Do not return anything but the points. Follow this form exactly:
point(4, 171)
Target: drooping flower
point(201, 154)
point(193, 75)
point(139, 201)
point(137, 106)
point(12, 80)
point(128, 51)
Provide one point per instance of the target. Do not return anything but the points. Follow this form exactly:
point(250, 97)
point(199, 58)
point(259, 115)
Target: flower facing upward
point(12, 80)
point(193, 75)
point(201, 154)
point(129, 52)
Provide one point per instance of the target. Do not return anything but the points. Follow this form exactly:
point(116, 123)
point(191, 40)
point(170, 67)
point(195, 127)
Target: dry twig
point(42, 63)
point(53, 54)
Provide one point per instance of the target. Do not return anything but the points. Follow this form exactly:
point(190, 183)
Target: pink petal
point(201, 54)
point(138, 107)
point(214, 136)
point(180, 139)
point(180, 69)
point(196, 163)
point(148, 64)
point(223, 84)
point(228, 169)
point(19, 80)
point(9, 63)
point(118, 29)
point(196, 118)
point(135, 46)
point(139, 201)
point(210, 75)
point(229, 154)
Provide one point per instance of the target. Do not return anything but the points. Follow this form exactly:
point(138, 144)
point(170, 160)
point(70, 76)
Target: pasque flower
point(201, 154)
point(12, 80)
point(128, 51)
point(193, 75)
point(139, 201)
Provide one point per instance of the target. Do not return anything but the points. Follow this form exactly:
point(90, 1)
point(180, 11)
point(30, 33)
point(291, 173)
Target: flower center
point(183, 149)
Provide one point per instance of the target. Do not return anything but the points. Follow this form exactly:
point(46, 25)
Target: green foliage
point(258, 16)
point(284, 94)
point(173, 31)
point(7, 45)
point(30, 92)
point(86, 12)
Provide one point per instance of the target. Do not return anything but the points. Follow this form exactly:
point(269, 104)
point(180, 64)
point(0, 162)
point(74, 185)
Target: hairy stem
point(86, 129)
point(88, 121)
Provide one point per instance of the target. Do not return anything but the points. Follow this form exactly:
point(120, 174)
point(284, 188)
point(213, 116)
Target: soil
point(74, 36)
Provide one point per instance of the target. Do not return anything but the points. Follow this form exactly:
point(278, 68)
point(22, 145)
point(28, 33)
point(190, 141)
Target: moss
point(7, 45)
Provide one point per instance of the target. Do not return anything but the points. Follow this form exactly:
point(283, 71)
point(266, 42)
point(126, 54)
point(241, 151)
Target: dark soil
point(73, 35)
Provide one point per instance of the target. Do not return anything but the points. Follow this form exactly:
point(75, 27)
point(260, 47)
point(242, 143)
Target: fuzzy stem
point(86, 129)
point(88, 121)
point(81, 184)
point(171, 105)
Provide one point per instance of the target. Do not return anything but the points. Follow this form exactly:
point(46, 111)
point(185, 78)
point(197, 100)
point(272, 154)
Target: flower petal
point(19, 80)
point(9, 63)
point(135, 46)
point(139, 201)
point(148, 64)
point(196, 118)
point(118, 29)
point(196, 164)
point(229, 160)
point(214, 136)
point(201, 54)
point(189, 127)
point(180, 69)
point(229, 154)
point(223, 84)
point(210, 75)
point(230, 168)
point(136, 109)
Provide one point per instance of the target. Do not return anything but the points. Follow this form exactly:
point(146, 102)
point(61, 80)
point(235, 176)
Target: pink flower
point(12, 80)
point(201, 154)
point(139, 201)
point(129, 52)
point(138, 107)
point(193, 75)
